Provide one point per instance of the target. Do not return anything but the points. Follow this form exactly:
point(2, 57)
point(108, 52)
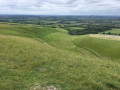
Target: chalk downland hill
point(37, 58)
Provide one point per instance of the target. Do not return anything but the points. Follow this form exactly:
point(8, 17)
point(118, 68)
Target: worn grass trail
point(45, 57)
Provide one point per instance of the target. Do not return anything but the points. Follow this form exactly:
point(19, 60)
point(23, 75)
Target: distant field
point(113, 31)
point(39, 58)
point(76, 28)
point(108, 37)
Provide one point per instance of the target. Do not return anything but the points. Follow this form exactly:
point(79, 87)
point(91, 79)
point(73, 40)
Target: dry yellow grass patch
point(110, 37)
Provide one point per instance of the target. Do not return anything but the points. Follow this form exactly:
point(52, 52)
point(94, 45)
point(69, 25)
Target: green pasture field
point(113, 31)
point(76, 28)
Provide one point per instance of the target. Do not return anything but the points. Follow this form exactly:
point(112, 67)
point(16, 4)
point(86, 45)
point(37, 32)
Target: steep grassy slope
point(104, 47)
point(34, 57)
point(26, 31)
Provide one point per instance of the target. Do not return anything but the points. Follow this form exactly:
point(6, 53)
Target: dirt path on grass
point(110, 37)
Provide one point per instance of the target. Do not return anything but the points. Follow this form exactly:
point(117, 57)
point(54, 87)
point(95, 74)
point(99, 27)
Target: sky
point(60, 7)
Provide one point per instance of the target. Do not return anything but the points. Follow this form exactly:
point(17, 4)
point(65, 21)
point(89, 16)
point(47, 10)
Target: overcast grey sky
point(60, 7)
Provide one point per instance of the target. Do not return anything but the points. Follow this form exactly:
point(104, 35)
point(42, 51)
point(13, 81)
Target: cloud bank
point(60, 7)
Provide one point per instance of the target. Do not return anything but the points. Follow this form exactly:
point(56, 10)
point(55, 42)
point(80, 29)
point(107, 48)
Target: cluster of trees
point(90, 29)
point(4, 20)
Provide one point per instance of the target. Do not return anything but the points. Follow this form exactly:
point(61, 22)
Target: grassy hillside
point(36, 58)
point(104, 47)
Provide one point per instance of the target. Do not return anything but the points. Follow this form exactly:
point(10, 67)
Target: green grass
point(100, 47)
point(76, 28)
point(49, 57)
point(113, 31)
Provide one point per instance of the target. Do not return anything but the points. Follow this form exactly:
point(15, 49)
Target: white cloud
point(60, 7)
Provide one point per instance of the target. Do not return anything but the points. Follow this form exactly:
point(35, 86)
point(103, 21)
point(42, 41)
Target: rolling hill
point(39, 58)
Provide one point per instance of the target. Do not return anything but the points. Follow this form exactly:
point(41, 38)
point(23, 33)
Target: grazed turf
point(41, 57)
point(104, 47)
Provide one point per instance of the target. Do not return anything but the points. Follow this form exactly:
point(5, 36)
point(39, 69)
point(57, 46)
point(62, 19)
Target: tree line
point(90, 29)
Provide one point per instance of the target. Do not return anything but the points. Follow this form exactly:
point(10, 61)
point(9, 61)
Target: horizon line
point(58, 15)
